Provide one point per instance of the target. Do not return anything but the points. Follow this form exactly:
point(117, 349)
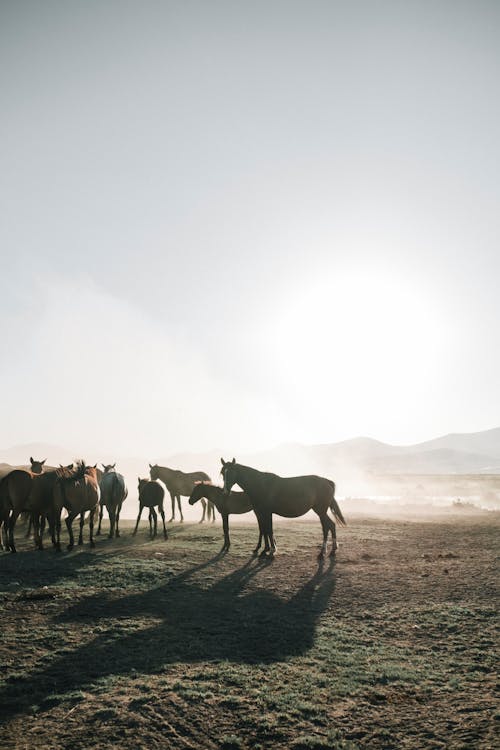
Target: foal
point(151, 494)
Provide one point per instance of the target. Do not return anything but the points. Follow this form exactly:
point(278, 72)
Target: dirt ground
point(166, 644)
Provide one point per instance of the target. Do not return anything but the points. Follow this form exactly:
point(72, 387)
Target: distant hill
point(355, 464)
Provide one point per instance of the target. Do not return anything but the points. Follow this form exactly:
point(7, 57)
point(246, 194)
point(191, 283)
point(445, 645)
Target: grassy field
point(140, 644)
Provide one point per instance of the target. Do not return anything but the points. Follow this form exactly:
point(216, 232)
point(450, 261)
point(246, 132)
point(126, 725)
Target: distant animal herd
point(41, 493)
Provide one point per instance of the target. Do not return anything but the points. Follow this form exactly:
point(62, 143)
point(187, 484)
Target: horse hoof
point(70, 547)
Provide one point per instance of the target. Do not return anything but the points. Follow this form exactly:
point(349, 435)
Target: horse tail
point(334, 506)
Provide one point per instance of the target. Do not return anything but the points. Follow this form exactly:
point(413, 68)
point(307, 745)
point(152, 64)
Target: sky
point(240, 224)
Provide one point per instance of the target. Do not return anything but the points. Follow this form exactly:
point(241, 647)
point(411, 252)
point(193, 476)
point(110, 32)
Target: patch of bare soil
point(169, 644)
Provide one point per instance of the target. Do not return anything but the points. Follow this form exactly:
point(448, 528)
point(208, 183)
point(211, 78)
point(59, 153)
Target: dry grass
point(165, 644)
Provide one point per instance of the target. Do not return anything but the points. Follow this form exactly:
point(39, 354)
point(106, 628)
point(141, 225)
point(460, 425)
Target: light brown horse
point(233, 503)
point(290, 497)
point(113, 493)
point(179, 483)
point(79, 488)
point(151, 494)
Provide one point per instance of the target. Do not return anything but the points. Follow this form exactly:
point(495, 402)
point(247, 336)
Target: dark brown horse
point(290, 497)
point(113, 493)
point(15, 489)
point(151, 494)
point(233, 503)
point(35, 494)
point(179, 483)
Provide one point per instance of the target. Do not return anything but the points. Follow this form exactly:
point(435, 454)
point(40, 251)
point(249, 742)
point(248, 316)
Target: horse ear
point(114, 465)
point(31, 460)
point(102, 465)
point(95, 466)
point(150, 466)
point(42, 462)
point(234, 460)
point(223, 462)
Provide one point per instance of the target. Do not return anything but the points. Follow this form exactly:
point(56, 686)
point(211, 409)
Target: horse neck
point(250, 480)
point(165, 474)
point(211, 492)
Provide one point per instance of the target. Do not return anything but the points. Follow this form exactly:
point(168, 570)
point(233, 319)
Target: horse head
point(108, 467)
point(37, 466)
point(154, 471)
point(228, 471)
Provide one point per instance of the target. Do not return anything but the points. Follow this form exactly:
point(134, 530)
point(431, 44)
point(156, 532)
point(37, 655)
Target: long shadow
point(222, 622)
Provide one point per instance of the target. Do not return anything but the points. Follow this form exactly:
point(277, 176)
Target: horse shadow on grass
point(192, 623)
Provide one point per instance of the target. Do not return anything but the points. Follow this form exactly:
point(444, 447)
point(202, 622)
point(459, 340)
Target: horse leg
point(333, 529)
point(267, 528)
point(101, 511)
point(11, 526)
point(155, 521)
point(69, 525)
point(112, 521)
point(117, 530)
point(39, 528)
point(82, 521)
point(172, 500)
point(180, 508)
point(211, 507)
point(52, 519)
point(204, 506)
point(30, 526)
point(261, 536)
point(138, 519)
point(91, 525)
point(225, 527)
point(324, 525)
point(162, 514)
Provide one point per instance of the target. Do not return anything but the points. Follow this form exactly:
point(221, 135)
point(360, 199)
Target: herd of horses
point(42, 493)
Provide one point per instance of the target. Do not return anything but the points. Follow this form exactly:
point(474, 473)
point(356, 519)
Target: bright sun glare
point(356, 339)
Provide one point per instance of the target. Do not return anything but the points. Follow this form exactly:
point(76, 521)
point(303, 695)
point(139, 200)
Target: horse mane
point(74, 474)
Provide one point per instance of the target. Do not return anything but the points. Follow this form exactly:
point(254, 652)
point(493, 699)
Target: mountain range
point(456, 453)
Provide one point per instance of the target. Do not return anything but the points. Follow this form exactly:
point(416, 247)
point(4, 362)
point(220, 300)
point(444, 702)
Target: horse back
point(15, 489)
point(151, 494)
point(113, 489)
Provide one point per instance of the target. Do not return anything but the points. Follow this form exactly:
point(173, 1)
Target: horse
point(290, 497)
point(36, 467)
point(227, 504)
point(22, 491)
point(79, 489)
point(178, 483)
point(113, 493)
point(151, 494)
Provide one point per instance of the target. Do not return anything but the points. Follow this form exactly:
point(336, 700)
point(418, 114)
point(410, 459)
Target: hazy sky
point(241, 223)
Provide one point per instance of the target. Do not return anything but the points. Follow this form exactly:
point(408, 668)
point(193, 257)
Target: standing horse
point(36, 467)
point(80, 492)
point(178, 483)
point(35, 494)
point(113, 493)
point(227, 504)
point(290, 497)
point(151, 494)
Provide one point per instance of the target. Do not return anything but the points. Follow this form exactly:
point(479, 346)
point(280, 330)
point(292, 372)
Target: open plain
point(166, 644)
